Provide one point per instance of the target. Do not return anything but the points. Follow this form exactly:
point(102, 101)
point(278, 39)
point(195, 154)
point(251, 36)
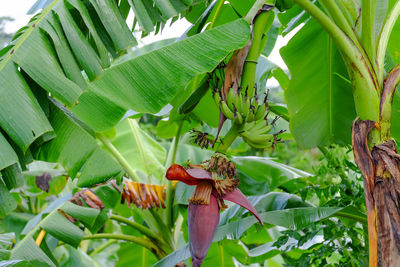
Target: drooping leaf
point(20, 114)
point(76, 150)
point(65, 38)
point(84, 214)
point(84, 53)
point(319, 97)
point(49, 75)
point(114, 24)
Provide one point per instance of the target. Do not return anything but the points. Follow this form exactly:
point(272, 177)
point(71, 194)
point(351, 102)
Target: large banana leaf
point(55, 60)
point(319, 97)
point(77, 150)
point(146, 83)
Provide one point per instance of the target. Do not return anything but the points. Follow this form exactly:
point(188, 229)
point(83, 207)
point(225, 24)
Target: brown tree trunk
point(381, 170)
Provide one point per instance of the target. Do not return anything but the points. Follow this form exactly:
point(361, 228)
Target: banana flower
point(213, 185)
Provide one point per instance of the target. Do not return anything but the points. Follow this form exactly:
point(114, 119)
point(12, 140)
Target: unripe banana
point(245, 107)
point(258, 128)
point(260, 112)
point(230, 99)
point(255, 106)
point(238, 102)
point(259, 145)
point(226, 110)
point(217, 97)
point(250, 116)
point(238, 117)
point(263, 138)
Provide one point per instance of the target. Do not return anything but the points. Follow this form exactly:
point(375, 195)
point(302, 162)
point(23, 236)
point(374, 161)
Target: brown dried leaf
point(362, 155)
point(92, 199)
point(234, 70)
point(43, 181)
point(70, 218)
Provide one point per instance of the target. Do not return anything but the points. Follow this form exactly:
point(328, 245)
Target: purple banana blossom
point(205, 204)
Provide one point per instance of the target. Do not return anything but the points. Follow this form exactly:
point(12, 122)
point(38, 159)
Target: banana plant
point(69, 80)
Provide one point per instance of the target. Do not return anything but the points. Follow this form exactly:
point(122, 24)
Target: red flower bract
point(205, 204)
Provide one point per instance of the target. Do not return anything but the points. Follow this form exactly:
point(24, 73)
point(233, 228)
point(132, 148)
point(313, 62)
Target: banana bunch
point(258, 134)
point(239, 108)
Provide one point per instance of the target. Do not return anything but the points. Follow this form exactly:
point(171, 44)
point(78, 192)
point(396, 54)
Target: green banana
point(261, 130)
point(245, 106)
point(259, 145)
point(217, 97)
point(250, 116)
point(238, 102)
point(263, 138)
point(259, 127)
point(260, 112)
point(238, 117)
point(230, 99)
point(226, 110)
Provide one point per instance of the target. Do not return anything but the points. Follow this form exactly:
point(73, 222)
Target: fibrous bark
point(381, 170)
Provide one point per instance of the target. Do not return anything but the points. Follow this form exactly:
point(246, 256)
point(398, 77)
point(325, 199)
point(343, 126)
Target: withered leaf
point(43, 181)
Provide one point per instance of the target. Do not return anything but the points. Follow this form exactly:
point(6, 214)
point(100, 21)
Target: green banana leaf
point(319, 97)
point(76, 150)
point(60, 228)
point(148, 82)
point(57, 226)
point(106, 99)
point(30, 47)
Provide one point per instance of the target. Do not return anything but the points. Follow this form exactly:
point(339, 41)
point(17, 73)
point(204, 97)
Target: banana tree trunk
point(381, 170)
